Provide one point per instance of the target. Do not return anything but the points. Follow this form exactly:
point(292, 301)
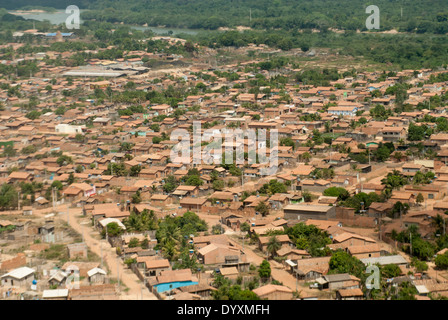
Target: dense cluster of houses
point(97, 139)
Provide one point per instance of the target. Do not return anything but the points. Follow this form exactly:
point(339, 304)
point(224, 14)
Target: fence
point(137, 272)
point(52, 237)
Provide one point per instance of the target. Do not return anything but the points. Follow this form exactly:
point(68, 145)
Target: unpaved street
point(127, 277)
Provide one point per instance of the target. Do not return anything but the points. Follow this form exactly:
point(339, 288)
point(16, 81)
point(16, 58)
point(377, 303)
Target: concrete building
point(21, 277)
point(97, 276)
point(77, 250)
point(68, 128)
point(274, 292)
point(306, 211)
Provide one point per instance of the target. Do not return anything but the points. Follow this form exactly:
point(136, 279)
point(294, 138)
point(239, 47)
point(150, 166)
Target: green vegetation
point(309, 238)
point(340, 193)
point(145, 221)
point(441, 261)
point(9, 228)
point(227, 291)
point(172, 233)
point(55, 252)
point(264, 270)
point(343, 262)
point(414, 244)
point(282, 14)
point(273, 187)
point(112, 229)
point(8, 197)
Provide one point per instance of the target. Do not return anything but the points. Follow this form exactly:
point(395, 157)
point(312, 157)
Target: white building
point(20, 277)
point(68, 128)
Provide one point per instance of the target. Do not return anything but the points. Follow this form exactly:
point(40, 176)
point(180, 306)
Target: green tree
point(64, 160)
point(135, 170)
point(217, 229)
point(343, 262)
point(264, 270)
point(79, 138)
point(390, 271)
point(130, 261)
point(419, 199)
point(194, 180)
point(262, 208)
point(113, 230)
point(420, 266)
point(441, 261)
point(170, 184)
point(306, 156)
point(341, 193)
point(406, 291)
point(9, 151)
point(136, 198)
point(8, 196)
point(218, 185)
point(133, 243)
point(33, 115)
point(71, 178)
point(273, 246)
point(417, 132)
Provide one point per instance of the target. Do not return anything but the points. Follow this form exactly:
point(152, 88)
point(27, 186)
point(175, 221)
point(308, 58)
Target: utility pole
point(68, 216)
point(101, 247)
point(444, 227)
point(381, 218)
point(118, 274)
point(18, 200)
point(297, 282)
point(410, 240)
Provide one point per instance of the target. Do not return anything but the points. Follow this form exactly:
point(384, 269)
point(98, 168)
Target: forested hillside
point(429, 16)
point(284, 24)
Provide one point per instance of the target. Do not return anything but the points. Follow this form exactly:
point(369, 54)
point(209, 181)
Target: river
point(60, 16)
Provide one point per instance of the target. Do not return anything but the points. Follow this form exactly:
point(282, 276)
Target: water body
point(60, 16)
point(56, 17)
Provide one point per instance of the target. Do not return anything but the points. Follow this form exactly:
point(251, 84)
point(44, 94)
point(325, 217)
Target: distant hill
point(429, 16)
point(57, 4)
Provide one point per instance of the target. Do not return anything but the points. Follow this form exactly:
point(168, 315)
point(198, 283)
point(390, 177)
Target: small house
point(96, 276)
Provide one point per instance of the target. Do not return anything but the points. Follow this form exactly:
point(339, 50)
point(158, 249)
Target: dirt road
point(134, 287)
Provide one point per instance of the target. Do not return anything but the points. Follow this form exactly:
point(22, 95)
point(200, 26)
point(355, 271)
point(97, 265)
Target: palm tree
point(273, 246)
point(153, 189)
point(132, 223)
point(169, 233)
point(169, 249)
point(148, 220)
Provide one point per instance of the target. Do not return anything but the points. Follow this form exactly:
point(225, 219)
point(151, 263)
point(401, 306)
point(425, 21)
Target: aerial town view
point(223, 150)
